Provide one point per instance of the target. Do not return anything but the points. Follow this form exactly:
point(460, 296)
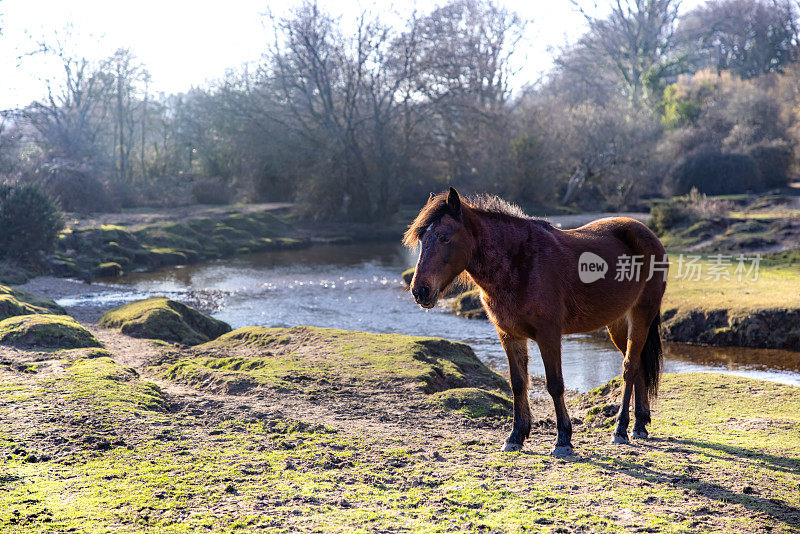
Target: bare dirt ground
point(359, 413)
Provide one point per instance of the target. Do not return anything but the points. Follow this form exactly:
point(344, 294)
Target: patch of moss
point(15, 302)
point(469, 305)
point(100, 381)
point(169, 235)
point(164, 319)
point(473, 402)
point(249, 224)
point(294, 358)
point(81, 354)
point(80, 251)
point(108, 270)
point(233, 234)
point(46, 331)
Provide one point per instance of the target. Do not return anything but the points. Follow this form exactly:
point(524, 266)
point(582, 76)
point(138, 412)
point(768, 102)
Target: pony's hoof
point(562, 450)
point(640, 435)
point(619, 439)
point(511, 447)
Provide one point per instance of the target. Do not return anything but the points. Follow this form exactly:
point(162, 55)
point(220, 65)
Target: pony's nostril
point(423, 293)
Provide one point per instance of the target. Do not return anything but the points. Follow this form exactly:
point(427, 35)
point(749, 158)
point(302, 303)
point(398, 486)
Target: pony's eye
point(444, 239)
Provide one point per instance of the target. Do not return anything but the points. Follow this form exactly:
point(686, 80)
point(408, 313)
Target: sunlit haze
point(184, 43)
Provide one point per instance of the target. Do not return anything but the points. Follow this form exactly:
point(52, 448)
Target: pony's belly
point(598, 315)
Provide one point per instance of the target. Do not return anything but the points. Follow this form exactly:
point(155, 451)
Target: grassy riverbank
point(760, 313)
point(107, 245)
point(109, 250)
point(348, 431)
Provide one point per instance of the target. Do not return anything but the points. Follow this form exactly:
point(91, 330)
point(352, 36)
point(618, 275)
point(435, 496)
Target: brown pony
point(539, 282)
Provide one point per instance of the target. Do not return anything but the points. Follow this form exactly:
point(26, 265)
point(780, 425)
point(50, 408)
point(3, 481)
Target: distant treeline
point(350, 124)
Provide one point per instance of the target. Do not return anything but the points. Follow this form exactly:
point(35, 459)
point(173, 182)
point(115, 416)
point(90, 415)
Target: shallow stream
point(358, 287)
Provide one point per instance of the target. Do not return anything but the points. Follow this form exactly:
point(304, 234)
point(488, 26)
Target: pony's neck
point(495, 241)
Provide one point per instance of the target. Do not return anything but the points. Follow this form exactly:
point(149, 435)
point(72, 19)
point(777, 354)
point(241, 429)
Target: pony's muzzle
point(424, 296)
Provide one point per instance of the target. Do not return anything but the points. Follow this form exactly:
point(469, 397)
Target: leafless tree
point(750, 37)
point(70, 120)
point(463, 72)
point(635, 38)
point(127, 75)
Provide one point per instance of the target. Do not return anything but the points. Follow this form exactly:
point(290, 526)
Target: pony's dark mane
point(437, 207)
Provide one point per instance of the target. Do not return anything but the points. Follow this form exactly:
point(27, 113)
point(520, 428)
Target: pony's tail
point(652, 357)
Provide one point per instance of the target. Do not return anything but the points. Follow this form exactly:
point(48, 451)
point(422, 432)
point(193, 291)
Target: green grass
point(777, 286)
point(99, 382)
point(718, 461)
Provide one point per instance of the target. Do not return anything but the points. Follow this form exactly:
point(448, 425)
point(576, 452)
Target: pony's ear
point(454, 202)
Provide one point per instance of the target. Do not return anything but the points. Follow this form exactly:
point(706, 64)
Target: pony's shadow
point(776, 508)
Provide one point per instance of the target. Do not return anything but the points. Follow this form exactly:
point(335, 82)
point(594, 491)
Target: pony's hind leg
point(517, 351)
point(641, 408)
point(631, 364)
point(634, 376)
point(618, 331)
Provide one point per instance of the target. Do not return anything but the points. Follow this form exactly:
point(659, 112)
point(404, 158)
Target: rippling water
point(357, 287)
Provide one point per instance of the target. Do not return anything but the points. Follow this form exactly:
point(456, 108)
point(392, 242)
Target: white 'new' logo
point(591, 267)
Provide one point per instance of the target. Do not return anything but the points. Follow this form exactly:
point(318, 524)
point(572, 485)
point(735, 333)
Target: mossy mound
point(15, 302)
point(99, 381)
point(109, 269)
point(46, 331)
point(473, 402)
point(407, 276)
point(304, 357)
point(164, 319)
point(469, 305)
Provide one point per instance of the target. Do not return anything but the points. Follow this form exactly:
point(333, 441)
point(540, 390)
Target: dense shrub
point(124, 194)
point(211, 191)
point(168, 191)
point(686, 210)
point(665, 216)
point(715, 173)
point(77, 189)
point(774, 161)
point(29, 221)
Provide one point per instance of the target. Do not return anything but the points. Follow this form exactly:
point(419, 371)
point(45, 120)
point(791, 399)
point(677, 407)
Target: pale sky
point(185, 43)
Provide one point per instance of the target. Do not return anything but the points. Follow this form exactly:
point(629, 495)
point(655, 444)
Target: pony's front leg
point(550, 347)
point(517, 352)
